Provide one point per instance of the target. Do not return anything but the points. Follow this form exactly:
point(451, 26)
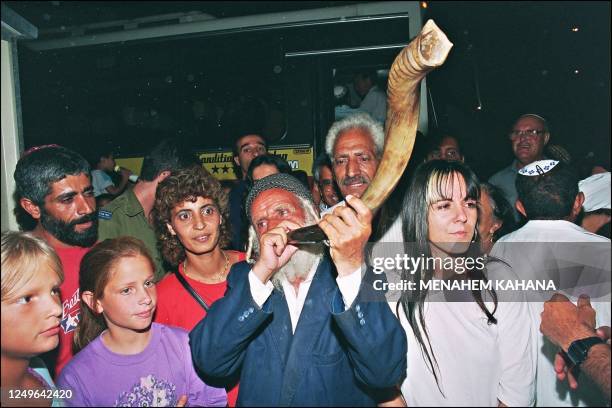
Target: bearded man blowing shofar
point(303, 328)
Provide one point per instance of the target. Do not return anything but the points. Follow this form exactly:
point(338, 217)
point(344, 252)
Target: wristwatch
point(579, 349)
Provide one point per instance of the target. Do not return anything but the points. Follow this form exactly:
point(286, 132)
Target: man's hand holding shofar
point(348, 228)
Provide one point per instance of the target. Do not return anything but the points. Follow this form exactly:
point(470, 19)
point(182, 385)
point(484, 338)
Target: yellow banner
point(220, 163)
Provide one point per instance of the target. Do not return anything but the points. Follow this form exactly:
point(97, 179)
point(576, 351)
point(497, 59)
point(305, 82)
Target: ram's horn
point(425, 52)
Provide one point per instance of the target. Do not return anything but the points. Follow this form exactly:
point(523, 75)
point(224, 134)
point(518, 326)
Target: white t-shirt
point(477, 363)
point(550, 391)
point(100, 180)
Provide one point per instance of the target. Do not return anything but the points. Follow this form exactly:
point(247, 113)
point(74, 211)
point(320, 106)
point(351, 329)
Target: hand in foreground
point(348, 228)
point(562, 322)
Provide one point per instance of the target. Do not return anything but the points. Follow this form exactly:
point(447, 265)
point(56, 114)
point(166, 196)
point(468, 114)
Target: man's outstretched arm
point(563, 323)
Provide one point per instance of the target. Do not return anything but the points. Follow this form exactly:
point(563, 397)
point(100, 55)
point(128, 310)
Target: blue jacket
point(335, 357)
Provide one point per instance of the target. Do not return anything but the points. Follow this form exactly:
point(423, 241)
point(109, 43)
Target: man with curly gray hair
point(355, 146)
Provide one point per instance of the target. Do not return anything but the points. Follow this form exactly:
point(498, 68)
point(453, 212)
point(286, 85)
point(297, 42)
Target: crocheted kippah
point(537, 168)
point(280, 180)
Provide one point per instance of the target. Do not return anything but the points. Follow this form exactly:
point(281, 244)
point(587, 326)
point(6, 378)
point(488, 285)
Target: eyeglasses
point(531, 133)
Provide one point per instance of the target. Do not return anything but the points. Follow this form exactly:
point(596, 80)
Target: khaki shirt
point(125, 216)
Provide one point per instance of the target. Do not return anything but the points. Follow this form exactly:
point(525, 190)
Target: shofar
point(426, 51)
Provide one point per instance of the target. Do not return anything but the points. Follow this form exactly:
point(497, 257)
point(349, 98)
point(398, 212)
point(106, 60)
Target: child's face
point(31, 316)
point(130, 296)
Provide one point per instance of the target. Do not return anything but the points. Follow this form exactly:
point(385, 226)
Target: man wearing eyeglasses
point(529, 135)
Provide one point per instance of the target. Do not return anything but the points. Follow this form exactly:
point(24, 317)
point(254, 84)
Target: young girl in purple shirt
point(124, 358)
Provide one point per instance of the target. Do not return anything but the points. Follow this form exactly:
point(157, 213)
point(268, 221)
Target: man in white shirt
point(374, 99)
point(303, 331)
point(551, 247)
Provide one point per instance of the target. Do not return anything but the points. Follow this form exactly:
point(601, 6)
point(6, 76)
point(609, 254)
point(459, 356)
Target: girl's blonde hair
point(23, 256)
point(95, 273)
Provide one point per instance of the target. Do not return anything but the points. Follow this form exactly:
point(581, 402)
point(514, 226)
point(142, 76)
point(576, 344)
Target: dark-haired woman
point(464, 347)
point(190, 216)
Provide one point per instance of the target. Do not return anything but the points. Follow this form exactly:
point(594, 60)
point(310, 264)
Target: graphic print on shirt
point(71, 312)
point(149, 392)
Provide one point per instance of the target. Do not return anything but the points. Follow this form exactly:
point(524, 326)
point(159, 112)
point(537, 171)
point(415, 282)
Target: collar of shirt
point(552, 224)
point(514, 166)
point(133, 206)
point(550, 231)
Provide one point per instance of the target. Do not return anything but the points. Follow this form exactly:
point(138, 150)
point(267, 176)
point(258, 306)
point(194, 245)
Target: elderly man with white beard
point(302, 329)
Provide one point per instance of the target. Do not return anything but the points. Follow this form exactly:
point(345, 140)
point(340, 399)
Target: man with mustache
point(355, 146)
point(529, 136)
point(303, 329)
point(53, 185)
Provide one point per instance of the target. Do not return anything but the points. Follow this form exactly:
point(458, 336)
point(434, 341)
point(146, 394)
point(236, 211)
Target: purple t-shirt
point(158, 376)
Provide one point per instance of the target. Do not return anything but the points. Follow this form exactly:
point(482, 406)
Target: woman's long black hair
point(431, 179)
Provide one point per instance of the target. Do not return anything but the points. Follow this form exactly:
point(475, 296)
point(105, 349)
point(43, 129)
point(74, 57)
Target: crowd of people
point(178, 292)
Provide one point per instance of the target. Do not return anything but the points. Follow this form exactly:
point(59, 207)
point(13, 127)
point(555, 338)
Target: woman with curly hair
point(191, 222)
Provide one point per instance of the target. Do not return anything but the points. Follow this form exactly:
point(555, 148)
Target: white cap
point(537, 168)
point(596, 191)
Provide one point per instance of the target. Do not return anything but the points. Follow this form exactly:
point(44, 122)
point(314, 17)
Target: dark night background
point(508, 57)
